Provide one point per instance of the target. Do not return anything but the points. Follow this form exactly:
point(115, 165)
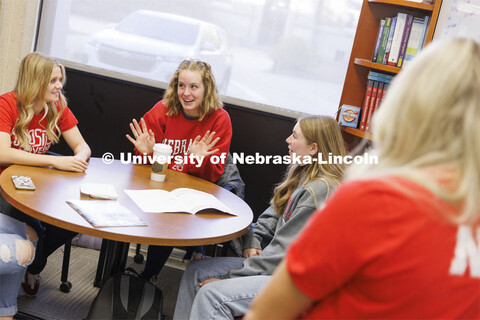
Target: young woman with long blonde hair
point(222, 288)
point(32, 117)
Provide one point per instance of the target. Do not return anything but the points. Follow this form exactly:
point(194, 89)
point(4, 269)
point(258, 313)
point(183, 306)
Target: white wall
point(18, 23)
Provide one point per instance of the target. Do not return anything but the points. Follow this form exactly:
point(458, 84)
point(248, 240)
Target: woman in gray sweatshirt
point(223, 288)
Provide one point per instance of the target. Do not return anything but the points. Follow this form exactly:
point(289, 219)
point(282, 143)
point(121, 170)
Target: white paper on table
point(99, 190)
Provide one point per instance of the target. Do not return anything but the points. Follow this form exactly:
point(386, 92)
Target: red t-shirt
point(37, 128)
point(179, 132)
point(373, 253)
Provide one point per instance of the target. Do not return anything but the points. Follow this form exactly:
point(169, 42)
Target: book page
point(155, 200)
point(198, 200)
point(178, 200)
point(101, 213)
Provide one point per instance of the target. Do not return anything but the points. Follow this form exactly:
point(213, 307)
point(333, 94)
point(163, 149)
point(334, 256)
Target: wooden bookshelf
point(406, 4)
point(364, 44)
point(376, 66)
point(358, 133)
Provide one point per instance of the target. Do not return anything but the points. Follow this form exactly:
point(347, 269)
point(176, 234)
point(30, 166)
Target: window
point(276, 55)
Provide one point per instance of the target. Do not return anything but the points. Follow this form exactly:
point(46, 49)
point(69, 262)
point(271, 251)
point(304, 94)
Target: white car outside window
point(151, 44)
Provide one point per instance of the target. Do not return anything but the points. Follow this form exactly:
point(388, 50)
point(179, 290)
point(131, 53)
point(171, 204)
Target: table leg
point(112, 260)
point(101, 263)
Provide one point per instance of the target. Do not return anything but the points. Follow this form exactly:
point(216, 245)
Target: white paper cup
point(161, 155)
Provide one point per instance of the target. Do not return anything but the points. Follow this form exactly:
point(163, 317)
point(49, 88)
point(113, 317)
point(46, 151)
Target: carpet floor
point(52, 304)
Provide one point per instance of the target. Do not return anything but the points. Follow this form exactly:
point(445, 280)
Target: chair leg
point(225, 247)
point(138, 258)
point(66, 285)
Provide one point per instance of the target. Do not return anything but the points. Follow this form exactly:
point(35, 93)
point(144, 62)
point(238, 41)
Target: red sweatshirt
point(179, 132)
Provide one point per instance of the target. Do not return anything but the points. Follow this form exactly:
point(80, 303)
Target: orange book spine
point(378, 98)
point(366, 104)
point(372, 103)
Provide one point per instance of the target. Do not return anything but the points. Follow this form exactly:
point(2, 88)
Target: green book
point(384, 41)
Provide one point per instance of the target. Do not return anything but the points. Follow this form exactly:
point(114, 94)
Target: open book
point(101, 213)
point(178, 200)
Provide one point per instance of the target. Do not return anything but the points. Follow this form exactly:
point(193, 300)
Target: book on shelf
point(380, 94)
point(405, 37)
point(99, 190)
point(390, 39)
point(385, 90)
point(397, 39)
point(376, 104)
point(178, 200)
point(379, 39)
point(366, 103)
point(372, 103)
point(384, 41)
point(105, 213)
point(425, 30)
point(415, 42)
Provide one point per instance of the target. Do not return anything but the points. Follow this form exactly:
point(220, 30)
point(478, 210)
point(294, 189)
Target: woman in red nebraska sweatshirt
point(191, 119)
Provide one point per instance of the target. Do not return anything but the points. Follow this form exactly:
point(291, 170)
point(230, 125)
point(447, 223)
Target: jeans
point(223, 299)
point(50, 238)
point(11, 270)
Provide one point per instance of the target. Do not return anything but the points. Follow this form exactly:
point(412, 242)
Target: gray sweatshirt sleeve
point(295, 217)
point(263, 231)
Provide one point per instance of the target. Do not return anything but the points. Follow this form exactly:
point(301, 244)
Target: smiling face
point(54, 86)
point(190, 91)
point(298, 144)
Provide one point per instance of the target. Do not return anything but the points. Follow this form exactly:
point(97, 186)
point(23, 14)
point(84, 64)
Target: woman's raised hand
point(203, 146)
point(144, 138)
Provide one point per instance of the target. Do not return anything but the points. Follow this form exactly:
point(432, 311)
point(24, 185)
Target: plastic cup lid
point(163, 148)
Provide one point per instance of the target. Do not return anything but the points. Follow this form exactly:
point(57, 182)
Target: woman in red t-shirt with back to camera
point(32, 117)
point(399, 239)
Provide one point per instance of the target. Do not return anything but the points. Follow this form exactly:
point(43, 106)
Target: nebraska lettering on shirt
point(178, 146)
point(39, 142)
point(467, 252)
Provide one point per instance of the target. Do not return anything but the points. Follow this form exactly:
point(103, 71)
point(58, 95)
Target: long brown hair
point(211, 100)
point(33, 79)
point(325, 132)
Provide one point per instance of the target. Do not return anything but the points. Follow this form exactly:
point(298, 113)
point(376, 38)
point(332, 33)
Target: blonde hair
point(211, 100)
point(427, 129)
point(325, 132)
point(33, 79)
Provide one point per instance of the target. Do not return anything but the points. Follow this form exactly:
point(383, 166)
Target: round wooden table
point(54, 187)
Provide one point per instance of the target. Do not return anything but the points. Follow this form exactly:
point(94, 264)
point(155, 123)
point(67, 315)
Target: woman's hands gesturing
point(144, 138)
point(203, 146)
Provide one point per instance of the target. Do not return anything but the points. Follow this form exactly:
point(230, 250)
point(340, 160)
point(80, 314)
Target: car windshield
point(160, 28)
